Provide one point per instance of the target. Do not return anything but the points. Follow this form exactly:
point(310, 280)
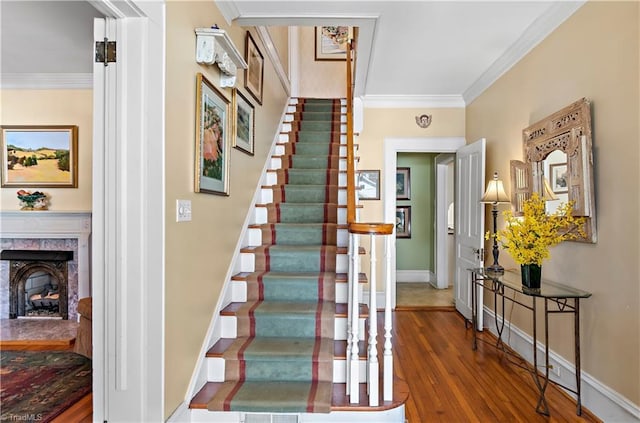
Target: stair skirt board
point(282, 360)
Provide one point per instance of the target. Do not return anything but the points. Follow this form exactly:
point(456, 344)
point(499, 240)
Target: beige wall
point(53, 107)
point(280, 37)
point(198, 253)
point(594, 54)
point(320, 79)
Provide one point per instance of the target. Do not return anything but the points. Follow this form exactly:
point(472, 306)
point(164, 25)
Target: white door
point(469, 227)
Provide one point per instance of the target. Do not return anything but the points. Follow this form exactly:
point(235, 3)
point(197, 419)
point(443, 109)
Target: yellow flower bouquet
point(528, 238)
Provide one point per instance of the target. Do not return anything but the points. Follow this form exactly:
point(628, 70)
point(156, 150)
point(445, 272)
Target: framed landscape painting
point(40, 156)
point(403, 222)
point(368, 184)
point(244, 123)
point(403, 183)
point(213, 136)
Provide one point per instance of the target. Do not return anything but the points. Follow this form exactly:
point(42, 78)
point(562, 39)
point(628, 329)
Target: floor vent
point(270, 418)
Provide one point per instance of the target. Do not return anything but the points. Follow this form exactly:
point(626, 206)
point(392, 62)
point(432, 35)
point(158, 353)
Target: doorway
point(392, 147)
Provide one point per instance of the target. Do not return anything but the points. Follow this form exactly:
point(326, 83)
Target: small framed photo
point(368, 184)
point(244, 123)
point(403, 222)
point(213, 135)
point(559, 178)
point(403, 183)
point(331, 42)
point(40, 156)
point(254, 75)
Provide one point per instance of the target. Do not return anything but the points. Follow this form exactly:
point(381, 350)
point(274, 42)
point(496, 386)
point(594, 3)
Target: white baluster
point(354, 392)
point(373, 372)
point(350, 280)
point(388, 356)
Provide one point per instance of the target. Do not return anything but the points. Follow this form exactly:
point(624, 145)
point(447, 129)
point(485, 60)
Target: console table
point(557, 298)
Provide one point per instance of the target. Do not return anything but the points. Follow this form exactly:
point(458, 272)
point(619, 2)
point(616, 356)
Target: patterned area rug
point(36, 386)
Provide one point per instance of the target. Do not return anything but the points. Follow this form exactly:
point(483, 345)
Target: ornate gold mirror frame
point(566, 136)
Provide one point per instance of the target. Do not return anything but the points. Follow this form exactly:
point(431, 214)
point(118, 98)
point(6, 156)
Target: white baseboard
point(415, 276)
point(601, 400)
point(182, 414)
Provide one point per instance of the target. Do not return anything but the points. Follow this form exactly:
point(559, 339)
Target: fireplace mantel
point(55, 225)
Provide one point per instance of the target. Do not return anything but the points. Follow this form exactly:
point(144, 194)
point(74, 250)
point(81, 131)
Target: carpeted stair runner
point(282, 359)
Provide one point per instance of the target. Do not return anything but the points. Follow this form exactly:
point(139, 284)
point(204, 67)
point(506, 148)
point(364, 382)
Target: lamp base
point(495, 268)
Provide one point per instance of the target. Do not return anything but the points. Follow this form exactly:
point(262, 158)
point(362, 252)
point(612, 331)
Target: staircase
point(282, 350)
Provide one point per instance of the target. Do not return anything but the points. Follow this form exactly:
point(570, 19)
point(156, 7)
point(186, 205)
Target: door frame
point(128, 218)
point(443, 182)
point(393, 146)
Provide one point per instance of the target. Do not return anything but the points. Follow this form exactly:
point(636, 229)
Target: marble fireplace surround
point(48, 230)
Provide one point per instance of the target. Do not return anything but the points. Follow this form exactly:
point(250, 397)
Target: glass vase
point(531, 275)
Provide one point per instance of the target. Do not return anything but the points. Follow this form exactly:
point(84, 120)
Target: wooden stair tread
point(339, 250)
point(340, 277)
point(339, 348)
point(340, 401)
point(341, 309)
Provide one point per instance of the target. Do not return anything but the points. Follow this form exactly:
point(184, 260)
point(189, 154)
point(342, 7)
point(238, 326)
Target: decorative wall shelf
point(214, 46)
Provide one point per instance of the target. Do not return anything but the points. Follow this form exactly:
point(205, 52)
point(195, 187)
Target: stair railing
point(373, 230)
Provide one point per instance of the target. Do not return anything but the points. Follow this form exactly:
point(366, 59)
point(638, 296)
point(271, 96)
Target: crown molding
point(413, 101)
point(229, 10)
point(46, 81)
point(267, 41)
point(532, 36)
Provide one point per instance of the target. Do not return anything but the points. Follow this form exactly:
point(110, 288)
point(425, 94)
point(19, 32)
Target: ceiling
point(439, 52)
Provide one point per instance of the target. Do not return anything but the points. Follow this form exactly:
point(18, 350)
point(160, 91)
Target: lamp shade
point(495, 192)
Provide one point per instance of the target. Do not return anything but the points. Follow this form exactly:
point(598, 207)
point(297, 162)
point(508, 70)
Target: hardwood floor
point(448, 381)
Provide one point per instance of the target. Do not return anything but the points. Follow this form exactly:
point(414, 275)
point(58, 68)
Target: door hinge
point(105, 51)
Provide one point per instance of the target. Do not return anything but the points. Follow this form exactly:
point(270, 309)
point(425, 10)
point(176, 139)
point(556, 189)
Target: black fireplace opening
point(38, 281)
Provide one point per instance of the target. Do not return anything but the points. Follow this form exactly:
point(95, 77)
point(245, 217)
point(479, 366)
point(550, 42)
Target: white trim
point(294, 57)
point(546, 23)
point(229, 10)
point(392, 146)
point(600, 399)
point(267, 41)
point(182, 414)
point(426, 276)
point(413, 101)
point(442, 233)
point(46, 81)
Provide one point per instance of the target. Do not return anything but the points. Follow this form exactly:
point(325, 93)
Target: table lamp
point(494, 195)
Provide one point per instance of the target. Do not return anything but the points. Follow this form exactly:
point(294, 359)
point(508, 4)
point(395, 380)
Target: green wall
point(417, 252)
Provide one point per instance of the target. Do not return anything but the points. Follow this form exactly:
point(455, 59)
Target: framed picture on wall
point(368, 184)
point(244, 123)
point(403, 222)
point(254, 75)
point(403, 183)
point(331, 42)
point(213, 136)
point(559, 182)
point(40, 156)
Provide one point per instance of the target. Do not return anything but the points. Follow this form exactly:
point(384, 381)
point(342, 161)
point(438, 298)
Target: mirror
point(559, 164)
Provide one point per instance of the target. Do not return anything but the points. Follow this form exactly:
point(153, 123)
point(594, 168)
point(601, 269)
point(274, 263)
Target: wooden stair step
point(341, 310)
point(339, 250)
point(340, 401)
point(340, 277)
point(339, 349)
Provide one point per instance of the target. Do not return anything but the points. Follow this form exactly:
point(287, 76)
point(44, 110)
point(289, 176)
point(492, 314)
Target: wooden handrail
point(351, 183)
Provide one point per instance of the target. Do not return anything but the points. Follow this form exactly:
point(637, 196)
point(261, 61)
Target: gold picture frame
point(213, 138)
point(43, 156)
point(244, 123)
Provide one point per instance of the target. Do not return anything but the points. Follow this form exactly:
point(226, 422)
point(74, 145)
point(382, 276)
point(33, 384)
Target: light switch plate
point(183, 210)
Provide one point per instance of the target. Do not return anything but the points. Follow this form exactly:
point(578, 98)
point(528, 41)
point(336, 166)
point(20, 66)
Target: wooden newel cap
point(371, 228)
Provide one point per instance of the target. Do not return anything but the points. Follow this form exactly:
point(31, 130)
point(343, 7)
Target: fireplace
point(47, 231)
point(38, 283)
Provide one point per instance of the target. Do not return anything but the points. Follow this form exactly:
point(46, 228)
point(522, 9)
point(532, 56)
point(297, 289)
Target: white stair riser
point(260, 216)
point(239, 292)
point(229, 328)
point(247, 263)
point(253, 237)
point(216, 368)
point(393, 415)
